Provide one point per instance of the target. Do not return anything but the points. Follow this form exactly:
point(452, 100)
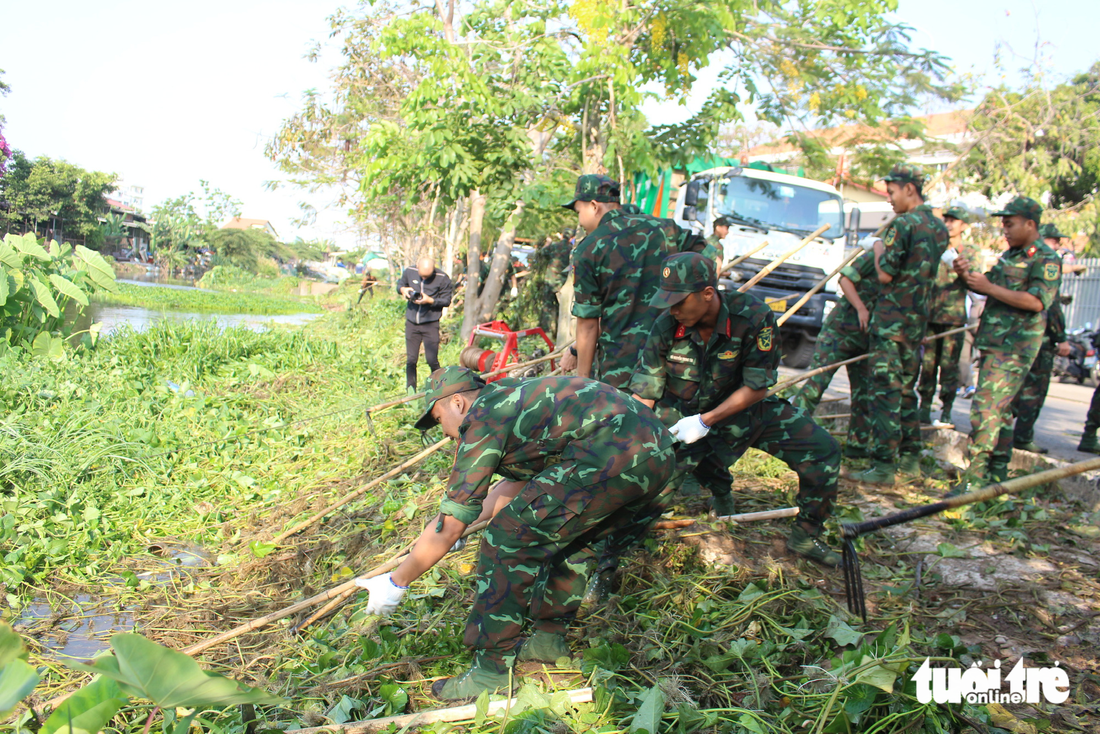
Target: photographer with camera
point(428, 291)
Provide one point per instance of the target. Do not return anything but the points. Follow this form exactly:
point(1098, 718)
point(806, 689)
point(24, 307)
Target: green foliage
point(177, 231)
point(42, 291)
point(243, 247)
point(44, 191)
point(17, 677)
point(231, 277)
point(203, 301)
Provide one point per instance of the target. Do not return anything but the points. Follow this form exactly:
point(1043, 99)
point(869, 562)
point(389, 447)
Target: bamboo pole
point(814, 373)
point(333, 593)
point(741, 258)
point(821, 283)
point(781, 259)
point(416, 459)
point(425, 718)
point(758, 516)
point(817, 286)
point(992, 491)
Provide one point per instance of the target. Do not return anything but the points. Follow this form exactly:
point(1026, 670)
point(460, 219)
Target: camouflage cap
point(1051, 231)
point(904, 174)
point(442, 383)
point(957, 212)
point(1024, 207)
point(682, 275)
point(593, 187)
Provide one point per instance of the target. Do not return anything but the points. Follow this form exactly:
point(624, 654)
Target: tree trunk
point(502, 255)
point(473, 262)
point(566, 322)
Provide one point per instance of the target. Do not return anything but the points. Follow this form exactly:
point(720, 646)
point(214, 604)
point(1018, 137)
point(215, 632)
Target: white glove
point(514, 292)
point(690, 429)
point(949, 256)
point(868, 242)
point(384, 594)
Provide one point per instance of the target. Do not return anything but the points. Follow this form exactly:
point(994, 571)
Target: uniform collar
point(724, 325)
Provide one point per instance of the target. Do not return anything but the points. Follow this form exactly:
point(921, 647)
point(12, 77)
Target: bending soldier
point(706, 369)
point(584, 460)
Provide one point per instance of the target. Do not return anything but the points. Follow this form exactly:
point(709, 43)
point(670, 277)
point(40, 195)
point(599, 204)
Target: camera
point(415, 296)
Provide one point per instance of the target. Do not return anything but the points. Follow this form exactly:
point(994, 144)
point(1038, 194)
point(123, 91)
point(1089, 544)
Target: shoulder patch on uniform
point(1030, 251)
point(1050, 271)
point(728, 354)
point(890, 237)
point(764, 339)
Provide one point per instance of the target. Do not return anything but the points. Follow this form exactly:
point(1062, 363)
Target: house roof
point(245, 223)
point(939, 125)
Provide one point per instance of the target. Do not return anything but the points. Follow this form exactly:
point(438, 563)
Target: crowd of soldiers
point(673, 381)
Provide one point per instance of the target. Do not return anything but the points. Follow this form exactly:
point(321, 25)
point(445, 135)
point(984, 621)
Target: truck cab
point(783, 210)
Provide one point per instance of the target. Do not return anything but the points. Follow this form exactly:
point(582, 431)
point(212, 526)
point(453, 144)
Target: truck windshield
point(780, 205)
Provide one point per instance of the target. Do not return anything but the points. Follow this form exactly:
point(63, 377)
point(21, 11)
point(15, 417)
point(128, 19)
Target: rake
point(853, 579)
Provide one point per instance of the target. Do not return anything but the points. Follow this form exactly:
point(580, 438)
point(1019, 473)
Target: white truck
point(782, 209)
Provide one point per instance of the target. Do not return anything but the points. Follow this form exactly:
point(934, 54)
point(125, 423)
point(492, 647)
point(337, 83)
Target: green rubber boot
point(808, 545)
point(482, 676)
point(909, 466)
point(1030, 446)
point(545, 647)
point(855, 453)
point(925, 416)
point(996, 472)
point(1089, 443)
point(722, 504)
point(690, 487)
point(880, 474)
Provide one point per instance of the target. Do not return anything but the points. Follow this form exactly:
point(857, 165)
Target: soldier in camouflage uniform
point(714, 249)
point(617, 268)
point(706, 369)
point(906, 261)
point(584, 460)
point(941, 357)
point(1029, 401)
point(1020, 287)
point(1090, 444)
point(843, 336)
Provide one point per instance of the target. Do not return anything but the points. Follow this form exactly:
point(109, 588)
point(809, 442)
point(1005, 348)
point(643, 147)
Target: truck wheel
point(798, 350)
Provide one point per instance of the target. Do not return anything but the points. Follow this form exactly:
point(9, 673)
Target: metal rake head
point(853, 581)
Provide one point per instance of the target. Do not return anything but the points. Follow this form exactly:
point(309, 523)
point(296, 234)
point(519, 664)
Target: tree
point(55, 196)
point(176, 232)
point(1042, 141)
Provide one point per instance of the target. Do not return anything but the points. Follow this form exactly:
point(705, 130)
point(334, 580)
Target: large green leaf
point(51, 347)
point(68, 288)
point(44, 297)
point(648, 716)
point(28, 245)
point(17, 678)
point(8, 254)
point(87, 710)
point(3, 285)
point(98, 268)
point(169, 678)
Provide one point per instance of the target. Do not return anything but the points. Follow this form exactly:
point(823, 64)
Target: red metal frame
point(510, 353)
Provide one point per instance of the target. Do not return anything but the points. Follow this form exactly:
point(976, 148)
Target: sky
point(166, 94)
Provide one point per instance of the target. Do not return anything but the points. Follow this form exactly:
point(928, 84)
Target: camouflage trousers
point(837, 345)
point(775, 427)
point(1092, 418)
point(940, 363)
point(538, 552)
point(894, 368)
point(1029, 401)
point(1000, 377)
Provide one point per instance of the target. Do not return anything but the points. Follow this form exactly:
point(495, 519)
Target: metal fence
point(1085, 289)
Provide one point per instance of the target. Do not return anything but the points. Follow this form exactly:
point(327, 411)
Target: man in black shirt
point(428, 290)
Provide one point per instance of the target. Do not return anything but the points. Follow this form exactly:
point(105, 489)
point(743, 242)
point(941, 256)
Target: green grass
point(203, 301)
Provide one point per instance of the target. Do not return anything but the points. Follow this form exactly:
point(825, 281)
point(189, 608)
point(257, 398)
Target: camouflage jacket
point(949, 296)
point(843, 317)
point(517, 428)
point(553, 262)
point(914, 244)
point(1035, 269)
point(686, 376)
point(1056, 324)
point(616, 271)
point(713, 250)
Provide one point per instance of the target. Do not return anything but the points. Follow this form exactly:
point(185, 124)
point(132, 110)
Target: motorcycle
point(1082, 363)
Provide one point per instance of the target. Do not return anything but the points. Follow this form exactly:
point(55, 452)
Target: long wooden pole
point(425, 718)
point(821, 283)
point(332, 593)
point(781, 259)
point(742, 258)
point(416, 459)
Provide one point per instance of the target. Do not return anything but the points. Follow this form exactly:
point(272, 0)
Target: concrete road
point(1060, 423)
